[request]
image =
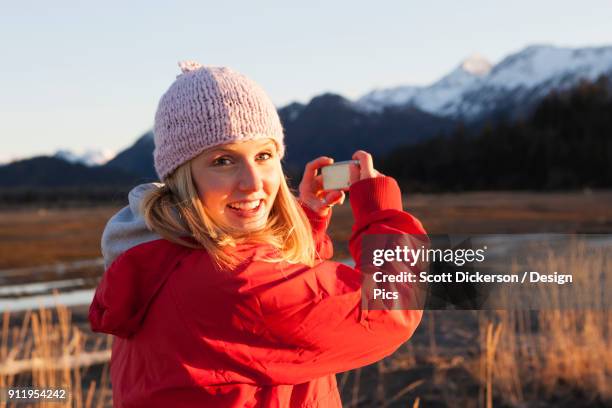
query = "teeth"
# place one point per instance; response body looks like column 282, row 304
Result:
column 248, row 205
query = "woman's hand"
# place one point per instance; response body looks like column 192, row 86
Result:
column 311, row 188
column 365, row 170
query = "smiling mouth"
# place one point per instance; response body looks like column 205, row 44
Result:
column 246, row 208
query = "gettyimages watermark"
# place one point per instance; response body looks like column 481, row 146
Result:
column 487, row 272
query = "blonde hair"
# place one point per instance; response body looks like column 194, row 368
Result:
column 176, row 213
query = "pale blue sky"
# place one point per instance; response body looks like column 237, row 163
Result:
column 89, row 75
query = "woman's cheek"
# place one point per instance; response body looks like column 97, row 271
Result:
column 274, row 173
column 214, row 191
column 220, row 183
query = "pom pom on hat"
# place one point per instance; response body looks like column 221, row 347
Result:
column 188, row 66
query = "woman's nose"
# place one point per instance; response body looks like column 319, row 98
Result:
column 250, row 178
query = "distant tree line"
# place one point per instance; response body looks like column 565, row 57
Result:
column 566, row 143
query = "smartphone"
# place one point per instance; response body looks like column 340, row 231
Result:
column 337, row 176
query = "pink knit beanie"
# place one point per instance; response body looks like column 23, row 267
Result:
column 208, row 106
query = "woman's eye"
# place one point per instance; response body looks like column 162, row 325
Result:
column 265, row 156
column 222, row 161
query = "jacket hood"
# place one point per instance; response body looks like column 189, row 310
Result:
column 127, row 228
column 137, row 264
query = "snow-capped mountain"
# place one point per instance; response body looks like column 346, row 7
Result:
column 468, row 74
column 88, row 157
column 378, row 99
column 434, row 97
column 476, row 88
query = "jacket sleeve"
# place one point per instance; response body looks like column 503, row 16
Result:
column 323, row 329
column 319, row 224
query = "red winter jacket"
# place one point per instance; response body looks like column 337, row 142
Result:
column 264, row 335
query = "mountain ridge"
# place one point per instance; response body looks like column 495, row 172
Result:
column 522, row 77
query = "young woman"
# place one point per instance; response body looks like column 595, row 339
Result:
column 218, row 284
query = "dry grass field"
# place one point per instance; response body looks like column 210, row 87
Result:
column 455, row 359
column 42, row 236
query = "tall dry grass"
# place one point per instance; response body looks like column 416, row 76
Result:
column 46, row 350
column 563, row 351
